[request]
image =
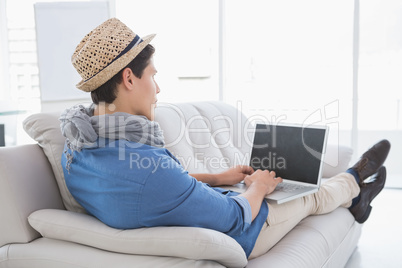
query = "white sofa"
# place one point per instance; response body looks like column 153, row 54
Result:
column 42, row 225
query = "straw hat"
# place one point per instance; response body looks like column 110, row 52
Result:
column 105, row 51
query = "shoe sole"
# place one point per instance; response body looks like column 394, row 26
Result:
column 365, row 216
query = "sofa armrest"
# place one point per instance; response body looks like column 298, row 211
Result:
column 27, row 184
column 185, row 242
column 337, row 159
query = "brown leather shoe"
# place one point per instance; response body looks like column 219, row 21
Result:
column 369, row 190
column 372, row 160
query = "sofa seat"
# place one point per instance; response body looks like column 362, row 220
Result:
column 317, row 241
column 55, row 253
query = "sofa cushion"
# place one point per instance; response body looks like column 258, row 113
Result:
column 44, row 128
column 185, row 242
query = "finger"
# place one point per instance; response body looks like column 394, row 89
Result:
column 278, row 179
column 247, row 180
column 247, row 169
column 251, row 170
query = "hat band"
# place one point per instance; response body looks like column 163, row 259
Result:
column 137, row 40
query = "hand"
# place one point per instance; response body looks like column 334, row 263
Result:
column 266, row 179
column 259, row 184
column 234, row 175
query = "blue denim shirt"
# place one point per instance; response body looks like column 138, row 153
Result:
column 130, row 185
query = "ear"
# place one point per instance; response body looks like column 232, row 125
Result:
column 128, row 78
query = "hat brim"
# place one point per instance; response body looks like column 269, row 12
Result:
column 115, row 67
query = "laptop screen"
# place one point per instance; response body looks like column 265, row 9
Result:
column 293, row 152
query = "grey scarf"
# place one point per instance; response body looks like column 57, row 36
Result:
column 82, row 128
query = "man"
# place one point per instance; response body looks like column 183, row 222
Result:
column 117, row 67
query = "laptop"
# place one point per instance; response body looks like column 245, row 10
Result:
column 295, row 153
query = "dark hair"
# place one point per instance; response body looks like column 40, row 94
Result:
column 107, row 92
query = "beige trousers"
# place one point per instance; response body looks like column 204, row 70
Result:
column 336, row 192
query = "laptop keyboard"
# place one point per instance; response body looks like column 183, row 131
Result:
column 288, row 187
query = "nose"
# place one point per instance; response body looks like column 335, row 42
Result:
column 158, row 90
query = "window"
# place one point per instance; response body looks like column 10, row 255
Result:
column 379, row 80
column 279, row 61
column 291, row 61
column 21, row 71
column 380, row 65
column 186, row 44
column 19, row 62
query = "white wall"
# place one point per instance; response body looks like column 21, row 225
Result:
column 4, row 84
column 59, row 106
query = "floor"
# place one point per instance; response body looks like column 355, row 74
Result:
column 381, row 242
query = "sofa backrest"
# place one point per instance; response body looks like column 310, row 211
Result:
column 27, row 184
column 204, row 136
